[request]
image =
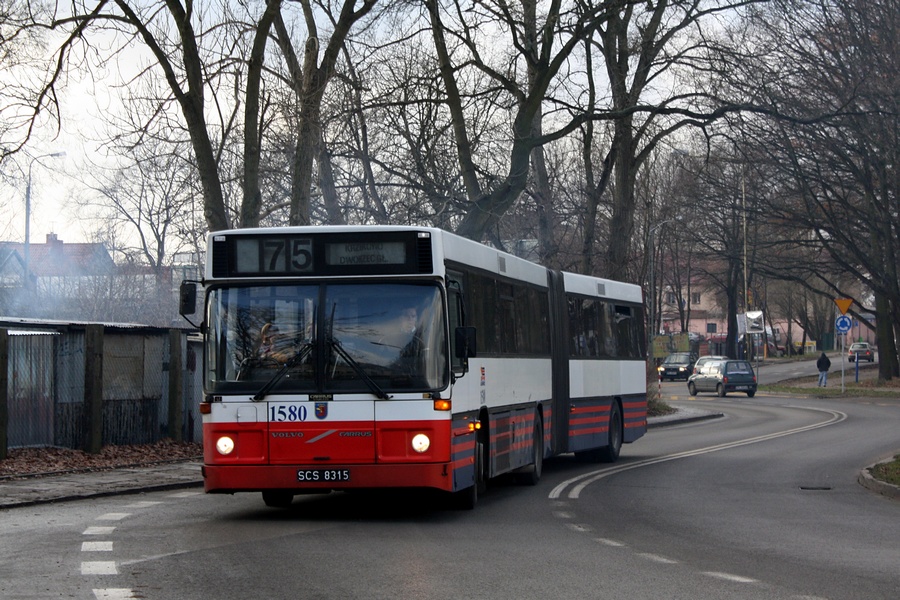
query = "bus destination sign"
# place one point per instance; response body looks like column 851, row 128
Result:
column 305, row 255
column 345, row 254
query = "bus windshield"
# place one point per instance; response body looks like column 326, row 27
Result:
column 326, row 338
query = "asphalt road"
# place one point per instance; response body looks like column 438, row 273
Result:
column 762, row 503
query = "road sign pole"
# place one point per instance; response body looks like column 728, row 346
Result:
column 842, row 325
column 843, row 354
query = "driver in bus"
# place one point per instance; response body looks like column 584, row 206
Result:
column 272, row 345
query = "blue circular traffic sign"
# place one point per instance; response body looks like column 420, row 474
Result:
column 842, row 324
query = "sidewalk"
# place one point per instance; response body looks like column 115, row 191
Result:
column 77, row 486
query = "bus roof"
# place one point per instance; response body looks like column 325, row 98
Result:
column 596, row 286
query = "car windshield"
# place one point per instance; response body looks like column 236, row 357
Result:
column 369, row 338
column 739, row 368
column 678, row 359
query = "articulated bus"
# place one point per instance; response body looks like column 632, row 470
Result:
column 342, row 357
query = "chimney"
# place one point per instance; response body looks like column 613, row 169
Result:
column 52, row 239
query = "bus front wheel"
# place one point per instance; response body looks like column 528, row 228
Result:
column 277, row 498
column 467, row 498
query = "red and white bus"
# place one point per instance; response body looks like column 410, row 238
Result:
column 342, row 357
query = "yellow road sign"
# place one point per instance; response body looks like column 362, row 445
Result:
column 843, row 304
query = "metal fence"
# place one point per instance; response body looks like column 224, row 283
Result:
column 46, row 372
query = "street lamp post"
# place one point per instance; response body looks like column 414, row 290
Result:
column 27, row 252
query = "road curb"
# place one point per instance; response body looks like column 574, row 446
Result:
column 866, row 480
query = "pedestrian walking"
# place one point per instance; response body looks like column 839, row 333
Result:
column 823, row 364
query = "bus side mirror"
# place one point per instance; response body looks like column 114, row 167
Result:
column 187, row 298
column 465, row 343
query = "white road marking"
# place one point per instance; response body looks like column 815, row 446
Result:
column 609, row 542
column 99, row 567
column 657, row 558
column 142, row 504
column 578, row 528
column 582, row 481
column 113, row 516
column 728, row 577
column 96, row 546
column 186, row 494
column 98, row 530
column 114, row 594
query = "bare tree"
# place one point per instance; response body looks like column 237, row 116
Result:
column 309, row 79
column 837, row 174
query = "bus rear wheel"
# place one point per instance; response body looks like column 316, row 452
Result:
column 532, row 474
column 610, row 452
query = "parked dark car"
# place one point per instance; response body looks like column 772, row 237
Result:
column 861, row 349
column 678, row 365
column 722, row 377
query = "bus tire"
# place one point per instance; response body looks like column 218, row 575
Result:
column 467, row 498
column 532, row 474
column 610, row 452
column 277, row 498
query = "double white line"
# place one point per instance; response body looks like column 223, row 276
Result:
column 582, row 481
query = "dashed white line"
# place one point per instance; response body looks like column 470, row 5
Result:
column 114, row 594
column 96, row 546
column 728, row 577
column 577, row 527
column 142, row 504
column 609, row 542
column 658, row 558
column 186, row 494
column 113, row 516
column 99, row 567
column 98, row 530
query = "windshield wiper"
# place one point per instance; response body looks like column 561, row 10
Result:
column 354, row 364
column 304, row 351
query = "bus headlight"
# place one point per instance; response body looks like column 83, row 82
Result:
column 420, row 443
column 225, row 445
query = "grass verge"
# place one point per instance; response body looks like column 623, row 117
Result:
column 888, row 472
column 867, row 388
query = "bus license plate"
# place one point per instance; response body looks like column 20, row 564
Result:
column 323, row 475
